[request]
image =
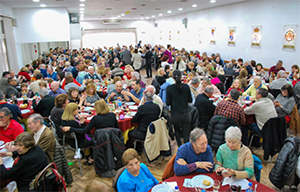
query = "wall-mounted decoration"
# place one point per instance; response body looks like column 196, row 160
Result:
column 199, row 35
column 232, row 35
column 289, row 38
column 256, row 35
column 178, row 35
column 188, row 35
column 160, row 35
column 170, row 35
column 212, row 35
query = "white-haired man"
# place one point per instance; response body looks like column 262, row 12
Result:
column 156, row 98
column 91, row 74
column 45, row 105
column 280, row 81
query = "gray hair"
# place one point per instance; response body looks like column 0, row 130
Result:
column 249, row 62
column 257, row 77
column 90, row 67
column 281, row 73
column 234, row 94
column 206, row 79
column 43, row 92
column 68, row 74
column 37, row 117
column 1, row 95
column 67, row 63
column 42, row 65
column 229, row 65
column 6, row 111
column 195, row 80
column 209, row 89
column 233, row 133
column 117, row 59
column 151, row 86
column 195, row 134
column 50, row 67
column 148, row 96
column 135, row 74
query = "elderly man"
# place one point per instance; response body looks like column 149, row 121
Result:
column 263, row 110
column 230, row 108
column 42, row 68
column 55, row 90
column 117, row 93
column 205, row 107
column 43, row 136
column 156, row 98
column 51, row 74
column 34, row 86
column 3, row 81
column 195, row 82
column 229, row 69
column 46, row 103
column 117, row 71
column 116, row 62
column 68, row 67
column 134, row 75
column 91, row 74
column 9, row 128
column 126, row 55
column 145, row 115
column 280, row 81
column 276, row 68
column 195, row 156
column 256, row 85
column 11, row 89
column 136, row 92
column 15, row 110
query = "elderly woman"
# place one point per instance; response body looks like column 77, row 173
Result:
column 32, row 160
column 24, row 72
column 285, row 102
column 205, row 82
column 92, row 95
column 257, row 83
column 190, row 67
column 24, row 91
column 35, row 72
column 136, row 177
column 233, row 158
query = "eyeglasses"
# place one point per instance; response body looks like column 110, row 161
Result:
column 1, row 117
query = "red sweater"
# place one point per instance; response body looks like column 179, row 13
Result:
column 25, row 74
column 11, row 132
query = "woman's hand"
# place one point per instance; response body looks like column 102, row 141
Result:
column 229, row 173
column 66, row 129
column 10, row 146
column 219, row 170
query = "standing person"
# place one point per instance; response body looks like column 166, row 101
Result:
column 137, row 60
column 168, row 52
column 178, row 97
column 148, row 57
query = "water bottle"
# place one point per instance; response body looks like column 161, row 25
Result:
column 250, row 188
column 176, row 189
column 203, row 190
column 119, row 104
column 247, row 97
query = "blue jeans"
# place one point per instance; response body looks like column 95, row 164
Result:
column 252, row 127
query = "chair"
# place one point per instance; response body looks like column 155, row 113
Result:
column 169, row 170
column 228, row 81
column 54, row 129
column 221, row 87
column 275, row 92
column 118, row 174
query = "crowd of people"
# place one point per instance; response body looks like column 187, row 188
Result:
column 63, row 82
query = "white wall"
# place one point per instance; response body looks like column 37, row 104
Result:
column 42, row 25
column 144, row 28
column 271, row 15
column 6, row 11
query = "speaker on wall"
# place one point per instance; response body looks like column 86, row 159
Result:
column 185, row 22
column 74, row 18
column 155, row 24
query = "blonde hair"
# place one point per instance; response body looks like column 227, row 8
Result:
column 24, row 69
column 101, row 69
column 91, row 86
column 239, row 83
column 129, row 66
column 159, row 71
column 68, row 112
column 130, row 154
column 101, row 107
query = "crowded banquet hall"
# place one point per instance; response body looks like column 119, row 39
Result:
column 149, row 95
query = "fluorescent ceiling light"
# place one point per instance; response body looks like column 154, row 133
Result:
column 160, row 14
column 212, row 1
column 36, row 0
column 119, row 16
column 82, row 0
column 147, row 17
column 169, row 11
column 179, row 9
column 81, row 5
column 142, row 18
column 153, row 15
column 81, row 9
column 43, row 5
column 122, row 14
column 194, row 5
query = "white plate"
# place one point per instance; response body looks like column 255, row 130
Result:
column 247, row 102
column 162, row 188
column 198, row 181
column 132, row 114
column 25, row 111
column 87, row 108
column 1, row 143
column 133, row 107
column 20, row 99
column 130, row 103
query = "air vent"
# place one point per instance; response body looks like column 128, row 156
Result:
column 108, row 8
column 134, row 9
column 143, row 5
column 157, row 8
column 183, row 1
column 112, row 22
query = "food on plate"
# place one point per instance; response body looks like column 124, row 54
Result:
column 206, row 182
column 23, row 105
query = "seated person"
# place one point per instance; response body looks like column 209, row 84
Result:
column 294, row 75
column 73, row 96
column 167, row 71
column 195, row 156
column 92, row 95
column 156, row 99
column 118, row 93
column 214, row 79
column 234, row 157
column 117, row 71
column 280, row 81
column 92, row 75
column 113, row 83
column 160, row 76
column 190, row 67
column 24, row 91
column 136, row 92
column 69, row 83
column 205, row 82
column 9, row 128
column 285, row 102
column 252, row 89
column 32, row 160
column 235, row 85
column 130, row 179
column 243, row 78
column 14, row 109
column 55, row 90
column 127, row 72
column 46, row 103
column 276, row 68
column 145, row 115
column 229, row 69
column 60, row 103
column 11, row 89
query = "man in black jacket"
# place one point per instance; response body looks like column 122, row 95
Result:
column 146, row 114
column 45, row 105
column 148, row 57
column 205, row 106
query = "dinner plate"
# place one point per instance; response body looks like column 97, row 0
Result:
column 1, row 143
column 25, row 111
column 130, row 103
column 133, row 107
column 197, row 181
column 132, row 113
column 20, row 99
column 162, row 188
column 87, row 108
column 247, row 102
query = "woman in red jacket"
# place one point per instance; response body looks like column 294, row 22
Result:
column 24, row 72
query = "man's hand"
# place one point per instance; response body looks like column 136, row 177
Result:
column 230, row 172
column 66, row 129
column 35, row 97
column 123, row 92
column 181, row 162
column 119, row 98
column 10, row 147
column 204, row 165
column 220, row 169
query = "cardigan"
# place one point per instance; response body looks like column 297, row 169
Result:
column 252, row 90
column 287, row 105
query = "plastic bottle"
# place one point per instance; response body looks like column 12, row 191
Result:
column 25, row 98
column 176, row 189
column 247, row 97
column 203, row 190
column 119, row 104
column 250, row 188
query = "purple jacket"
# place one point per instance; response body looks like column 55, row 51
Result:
column 169, row 54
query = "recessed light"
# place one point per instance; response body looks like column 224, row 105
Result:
column 119, row 16
column 82, row 0
column 153, row 15
column 43, row 5
column 179, row 9
column 36, row 1
column 147, row 17
column 169, row 11
column 194, row 5
column 81, row 9
column 81, row 5
column 142, row 18
column 122, row 14
column 212, row 1
column 160, row 14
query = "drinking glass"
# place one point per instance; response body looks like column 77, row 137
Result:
column 216, row 185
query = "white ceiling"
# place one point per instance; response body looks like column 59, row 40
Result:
column 97, row 9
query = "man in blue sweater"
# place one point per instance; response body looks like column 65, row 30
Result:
column 194, row 156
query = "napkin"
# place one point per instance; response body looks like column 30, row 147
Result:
column 187, row 183
column 133, row 107
column 89, row 118
column 230, row 181
column 172, row 184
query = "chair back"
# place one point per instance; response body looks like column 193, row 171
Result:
column 275, row 92
column 169, row 170
column 221, row 87
column 228, row 81
column 115, row 180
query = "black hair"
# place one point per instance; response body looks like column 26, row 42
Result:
column 177, row 77
column 39, row 76
column 167, row 67
column 288, row 88
column 263, row 92
column 138, row 82
column 5, row 73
